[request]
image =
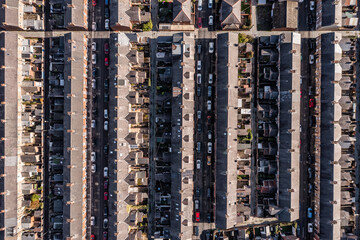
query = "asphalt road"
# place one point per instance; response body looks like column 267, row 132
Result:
column 304, row 22
column 204, row 177
column 99, row 135
column 307, row 71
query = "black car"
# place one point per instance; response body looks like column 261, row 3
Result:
column 94, row 72
column 197, row 192
column 199, row 127
column 209, row 217
column 107, row 13
column 198, row 91
column 105, row 211
column 106, row 149
column 106, row 97
column 106, row 84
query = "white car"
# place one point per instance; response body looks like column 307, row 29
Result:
column 93, row 27
column 198, row 164
column 93, row 46
column 209, row 147
column 199, row 65
column 106, row 125
column 107, row 24
column 210, row 78
column 211, row 47
column 93, row 168
column 209, row 105
column 310, row 228
column 211, row 20
column 92, row 220
column 198, row 77
column 93, row 123
column 209, row 135
column 196, row 203
column 311, row 59
column 93, row 156
column 106, row 115
column 312, row 5
column 199, row 114
column 106, row 172
column 93, row 84
column 210, row 4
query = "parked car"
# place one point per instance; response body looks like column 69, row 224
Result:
column 208, row 160
column 310, row 228
column 106, row 195
column 209, row 147
column 209, row 217
column 198, row 78
column 211, row 47
column 93, row 168
column 197, row 216
column 197, row 205
column 92, row 220
column 106, row 125
column 199, row 48
column 106, row 184
column 198, row 164
column 94, row 3
column 199, row 127
column 106, row 211
column 93, row 156
column 310, row 188
column 107, row 24
column 198, row 147
column 94, row 72
column 106, row 48
column 311, row 103
column 209, row 91
column 209, row 105
column 93, row 26
column 312, row 5
column 93, row 83
column 309, row 19
column 209, row 134
column 199, row 5
column 107, row 12
column 106, row 172
column 105, row 223
column 93, row 46
column 211, row 20
column 199, row 114
column 309, row 171
column 199, row 65
column 199, row 22
column 197, row 192
column 198, row 91
column 210, row 78
column 106, row 61
column 105, row 235
column 311, row 59
column 93, row 58
column 106, row 115
column 210, row 4
column 309, row 212
column 92, row 237
column 93, row 123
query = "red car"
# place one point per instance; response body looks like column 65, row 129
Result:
column 105, row 235
column 94, row 3
column 106, row 184
column 311, row 103
column 92, row 237
column 106, row 61
column 199, row 22
column 197, row 216
column 106, row 194
column 106, row 48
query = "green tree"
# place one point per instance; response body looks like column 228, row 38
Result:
column 147, row 26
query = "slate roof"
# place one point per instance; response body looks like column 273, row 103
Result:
column 230, row 14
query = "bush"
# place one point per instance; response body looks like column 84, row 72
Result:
column 147, row 26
